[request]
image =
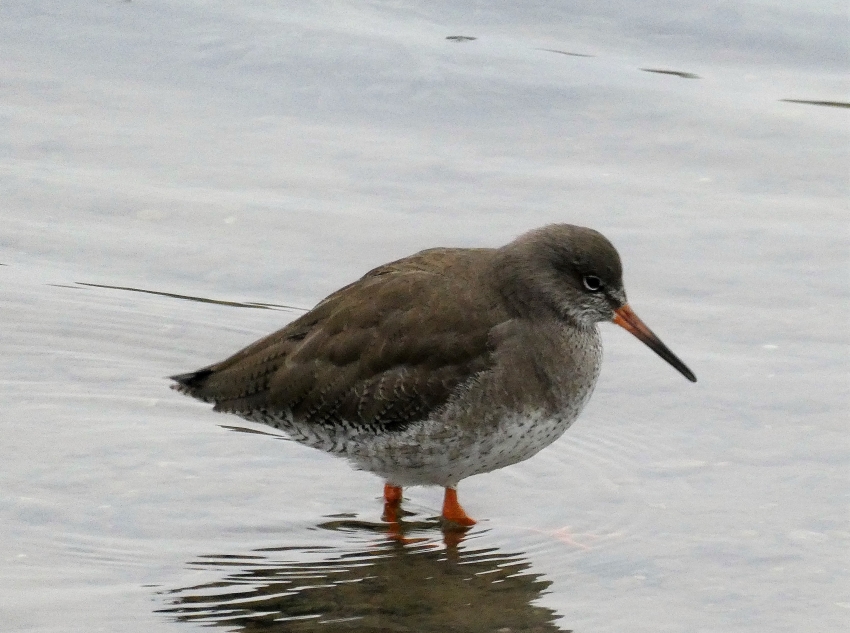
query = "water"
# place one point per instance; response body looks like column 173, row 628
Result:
column 260, row 156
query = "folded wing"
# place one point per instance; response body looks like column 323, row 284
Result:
column 382, row 352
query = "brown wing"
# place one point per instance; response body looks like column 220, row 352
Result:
column 383, row 351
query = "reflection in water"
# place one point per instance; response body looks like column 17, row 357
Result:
column 552, row 50
column 677, row 73
column 234, row 304
column 831, row 104
column 384, row 584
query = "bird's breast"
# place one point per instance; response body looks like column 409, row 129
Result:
column 541, row 371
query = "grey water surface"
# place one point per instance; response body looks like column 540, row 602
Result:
column 181, row 178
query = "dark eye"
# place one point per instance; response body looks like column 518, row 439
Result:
column 592, row 282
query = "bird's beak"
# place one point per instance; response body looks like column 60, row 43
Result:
column 628, row 320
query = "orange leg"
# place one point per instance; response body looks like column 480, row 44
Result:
column 452, row 510
column 392, row 494
column 392, row 503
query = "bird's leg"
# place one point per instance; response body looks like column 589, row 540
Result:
column 452, row 510
column 392, row 503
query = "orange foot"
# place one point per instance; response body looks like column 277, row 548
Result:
column 453, row 512
column 392, row 503
column 392, row 511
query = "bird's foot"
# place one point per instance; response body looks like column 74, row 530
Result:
column 392, row 515
column 392, row 503
column 453, row 512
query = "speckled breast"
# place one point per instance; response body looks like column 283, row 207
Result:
column 500, row 417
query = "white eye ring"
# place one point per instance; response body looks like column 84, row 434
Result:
column 592, row 283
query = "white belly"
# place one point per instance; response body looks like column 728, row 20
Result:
column 491, row 422
column 426, row 454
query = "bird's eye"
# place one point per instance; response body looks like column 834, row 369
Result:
column 592, row 282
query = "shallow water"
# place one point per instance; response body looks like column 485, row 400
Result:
column 237, row 164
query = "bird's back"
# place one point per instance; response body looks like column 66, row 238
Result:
column 380, row 353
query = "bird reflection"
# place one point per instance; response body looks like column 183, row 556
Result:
column 374, row 582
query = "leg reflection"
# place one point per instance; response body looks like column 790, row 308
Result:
column 363, row 584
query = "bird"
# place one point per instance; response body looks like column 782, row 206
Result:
column 448, row 363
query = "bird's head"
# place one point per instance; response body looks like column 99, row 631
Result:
column 575, row 274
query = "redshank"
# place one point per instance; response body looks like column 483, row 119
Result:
column 449, row 363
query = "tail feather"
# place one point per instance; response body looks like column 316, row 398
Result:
column 192, row 384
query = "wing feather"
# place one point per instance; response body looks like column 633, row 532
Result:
column 384, row 351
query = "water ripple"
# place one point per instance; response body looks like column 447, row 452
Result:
column 371, row 584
